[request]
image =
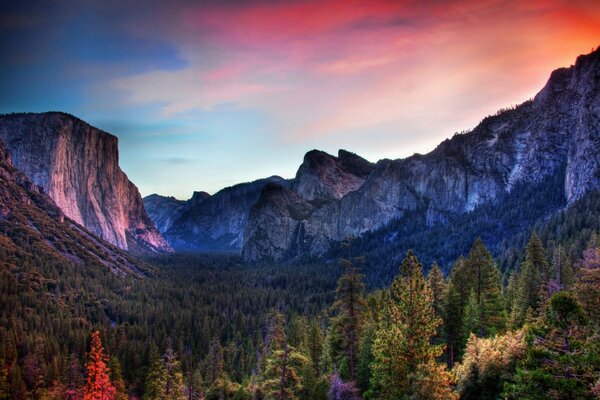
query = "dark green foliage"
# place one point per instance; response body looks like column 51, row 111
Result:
column 533, row 282
column 563, row 359
column 504, row 225
column 349, row 311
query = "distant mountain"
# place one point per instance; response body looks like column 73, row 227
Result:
column 558, row 132
column 547, row 148
column 207, row 223
column 77, row 165
column 34, row 230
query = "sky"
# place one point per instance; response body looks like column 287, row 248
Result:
column 206, row 94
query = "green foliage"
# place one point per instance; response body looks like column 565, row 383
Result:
column 403, row 336
column 562, row 359
column 533, row 281
column 349, row 311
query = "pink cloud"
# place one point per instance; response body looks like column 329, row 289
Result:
column 322, row 68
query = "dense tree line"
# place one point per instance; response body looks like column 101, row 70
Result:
column 209, row 327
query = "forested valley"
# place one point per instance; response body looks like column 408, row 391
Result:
column 212, row 327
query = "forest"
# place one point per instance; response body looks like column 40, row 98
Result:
column 212, row 327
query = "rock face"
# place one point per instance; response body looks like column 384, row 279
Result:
column 31, row 225
column 77, row 166
column 557, row 132
column 208, row 223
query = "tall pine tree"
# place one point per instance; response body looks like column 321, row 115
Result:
column 402, row 348
column 349, row 313
column 533, row 281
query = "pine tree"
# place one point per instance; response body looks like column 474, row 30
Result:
column 215, row 362
column 281, row 378
column 458, row 290
column 487, row 289
column 156, row 378
column 349, row 309
column 97, row 384
column 174, row 388
column 116, row 377
column 533, row 280
column 72, row 378
column 587, row 286
column 472, row 317
column 315, row 347
column 562, row 358
column 403, row 338
column 435, row 281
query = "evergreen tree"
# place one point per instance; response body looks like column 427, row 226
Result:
column 315, row 347
column 156, row 377
column 403, row 338
column 487, row 289
column 563, row 355
column 472, row 317
column 215, row 362
column 97, row 384
column 174, row 387
column 116, row 377
column 283, row 364
column 564, row 274
column 346, row 326
column 587, row 286
column 533, row 280
column 435, row 281
column 458, row 290
column 73, row 379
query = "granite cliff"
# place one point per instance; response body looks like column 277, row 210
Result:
column 33, row 227
column 77, row 166
column 207, row 223
column 558, row 132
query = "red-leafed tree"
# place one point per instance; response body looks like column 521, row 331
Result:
column 97, row 384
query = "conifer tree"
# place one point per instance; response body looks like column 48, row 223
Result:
column 532, row 281
column 349, row 309
column 315, row 347
column 174, row 388
column 156, row 378
column 563, row 355
column 116, row 377
column 472, row 317
column 587, row 286
column 487, row 289
column 435, row 281
column 281, row 378
column 72, row 378
column 97, row 384
column 458, row 290
column 215, row 367
column 403, row 338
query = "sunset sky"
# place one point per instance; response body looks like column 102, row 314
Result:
column 203, row 95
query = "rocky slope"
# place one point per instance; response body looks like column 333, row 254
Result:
column 208, row 223
column 77, row 166
column 33, row 227
column 558, row 132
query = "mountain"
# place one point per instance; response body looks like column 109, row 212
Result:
column 207, row 223
column 165, row 210
column 556, row 133
column 34, row 230
column 77, row 166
